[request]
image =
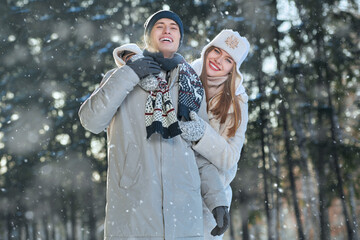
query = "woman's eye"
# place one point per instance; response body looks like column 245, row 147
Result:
column 229, row 60
column 217, row 50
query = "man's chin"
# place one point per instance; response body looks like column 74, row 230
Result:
column 167, row 51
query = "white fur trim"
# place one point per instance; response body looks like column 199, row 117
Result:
column 126, row 47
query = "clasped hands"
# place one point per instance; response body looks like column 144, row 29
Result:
column 145, row 68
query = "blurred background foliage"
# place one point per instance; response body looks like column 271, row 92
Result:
column 299, row 172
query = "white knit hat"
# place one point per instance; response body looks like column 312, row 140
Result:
column 235, row 45
column 126, row 47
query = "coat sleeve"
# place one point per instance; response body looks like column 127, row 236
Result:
column 98, row 110
column 224, row 154
column 212, row 189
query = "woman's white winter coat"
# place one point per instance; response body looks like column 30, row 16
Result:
column 221, row 151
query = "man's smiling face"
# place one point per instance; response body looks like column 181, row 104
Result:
column 165, row 37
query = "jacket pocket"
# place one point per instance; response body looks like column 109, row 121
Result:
column 132, row 167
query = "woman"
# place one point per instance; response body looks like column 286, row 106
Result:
column 218, row 68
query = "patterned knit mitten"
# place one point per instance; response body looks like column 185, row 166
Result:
column 148, row 83
column 193, row 130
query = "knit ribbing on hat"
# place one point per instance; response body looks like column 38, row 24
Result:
column 150, row 22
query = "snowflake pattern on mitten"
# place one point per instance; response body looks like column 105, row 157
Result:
column 149, row 83
column 193, row 130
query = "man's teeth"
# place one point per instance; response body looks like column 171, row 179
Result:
column 165, row 39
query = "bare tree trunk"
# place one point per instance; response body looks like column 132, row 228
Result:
column 353, row 203
column 265, row 175
column 283, row 116
column 73, row 216
column 9, row 225
column 2, row 227
column 27, row 230
column 53, row 234
column 278, row 199
column 303, row 158
column 291, row 175
column 319, row 37
column 266, row 191
column 46, row 227
column 309, row 194
column 92, row 217
column 65, row 219
column 231, row 228
column 349, row 227
column 334, row 142
column 244, row 226
column 272, row 209
column 34, row 229
column 262, row 124
column 20, row 231
column 324, row 217
column 244, row 214
column 320, row 167
column 263, row 155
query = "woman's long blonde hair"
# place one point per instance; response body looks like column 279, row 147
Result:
column 226, row 99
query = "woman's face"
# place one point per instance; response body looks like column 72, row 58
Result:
column 218, row 63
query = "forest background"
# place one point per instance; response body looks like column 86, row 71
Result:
column 298, row 176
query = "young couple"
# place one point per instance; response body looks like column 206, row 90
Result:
column 174, row 139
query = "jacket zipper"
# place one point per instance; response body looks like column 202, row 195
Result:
column 167, row 76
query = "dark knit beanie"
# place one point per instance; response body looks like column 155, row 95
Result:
column 149, row 24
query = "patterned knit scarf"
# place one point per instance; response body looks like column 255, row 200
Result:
column 160, row 114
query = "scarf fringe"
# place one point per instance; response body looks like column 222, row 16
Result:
column 157, row 127
column 160, row 116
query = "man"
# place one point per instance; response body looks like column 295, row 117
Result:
column 153, row 181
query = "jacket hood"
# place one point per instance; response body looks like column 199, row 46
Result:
column 126, row 47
